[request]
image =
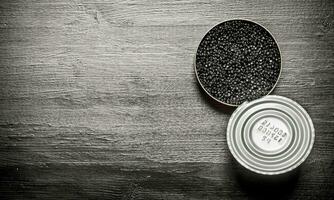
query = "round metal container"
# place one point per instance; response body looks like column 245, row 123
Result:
column 271, row 135
column 195, row 61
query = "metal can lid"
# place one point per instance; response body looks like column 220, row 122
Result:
column 271, row 135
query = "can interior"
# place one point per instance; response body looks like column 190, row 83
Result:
column 237, row 61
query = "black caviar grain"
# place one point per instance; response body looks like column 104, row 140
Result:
column 238, row 61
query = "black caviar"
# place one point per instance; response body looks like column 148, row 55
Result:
column 238, row 61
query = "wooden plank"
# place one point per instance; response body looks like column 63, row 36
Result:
column 98, row 99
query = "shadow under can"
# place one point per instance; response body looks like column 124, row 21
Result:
column 258, row 186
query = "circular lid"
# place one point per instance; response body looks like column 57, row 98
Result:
column 271, row 135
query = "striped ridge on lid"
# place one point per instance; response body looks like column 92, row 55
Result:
column 271, row 135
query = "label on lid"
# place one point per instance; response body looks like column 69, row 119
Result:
column 270, row 133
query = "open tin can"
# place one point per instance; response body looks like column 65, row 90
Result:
column 237, row 60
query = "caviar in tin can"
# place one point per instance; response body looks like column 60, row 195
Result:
column 237, row 61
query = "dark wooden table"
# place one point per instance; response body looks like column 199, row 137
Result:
column 98, row 99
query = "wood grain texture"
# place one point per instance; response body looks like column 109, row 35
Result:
column 98, row 99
